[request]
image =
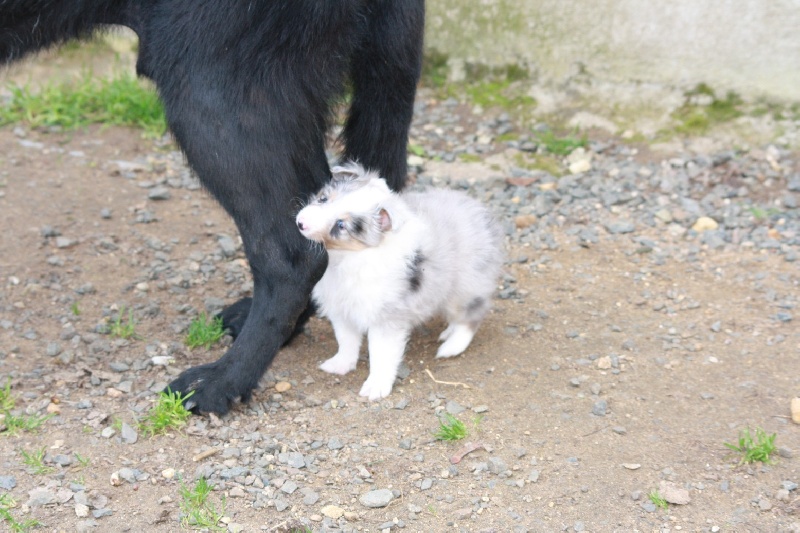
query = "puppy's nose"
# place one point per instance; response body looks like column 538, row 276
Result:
column 300, row 225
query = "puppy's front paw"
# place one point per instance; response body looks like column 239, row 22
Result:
column 339, row 364
column 375, row 389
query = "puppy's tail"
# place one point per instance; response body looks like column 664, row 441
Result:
column 30, row 25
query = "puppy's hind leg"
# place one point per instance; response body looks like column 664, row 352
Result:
column 349, row 338
column 463, row 323
column 458, row 340
column 386, row 346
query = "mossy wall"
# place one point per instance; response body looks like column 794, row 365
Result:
column 748, row 46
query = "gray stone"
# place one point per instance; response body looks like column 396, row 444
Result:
column 376, row 498
column 227, row 245
column 600, row 408
column 230, row 473
column 40, row 496
column 335, row 444
column 293, row 459
column 401, row 404
column 497, row 465
column 289, row 486
column 281, row 504
column 64, row 242
column 159, row 193
column 7, row 482
column 53, row 349
column 128, row 434
column 310, row 497
column 620, row 227
column 129, row 474
column 118, row 366
column 63, row 460
column 454, row 408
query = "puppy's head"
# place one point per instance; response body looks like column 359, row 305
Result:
column 350, row 213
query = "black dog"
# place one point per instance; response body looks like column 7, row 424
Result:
column 247, row 86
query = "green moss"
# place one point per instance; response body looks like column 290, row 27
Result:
column 693, row 119
column 545, row 163
column 469, row 158
column 434, row 69
column 498, row 94
column 561, row 145
column 506, row 137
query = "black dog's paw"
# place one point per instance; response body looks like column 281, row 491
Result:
column 234, row 316
column 209, row 390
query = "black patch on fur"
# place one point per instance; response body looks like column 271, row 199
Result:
column 475, row 305
column 415, row 271
column 358, row 225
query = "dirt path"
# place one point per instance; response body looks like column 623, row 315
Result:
column 605, row 374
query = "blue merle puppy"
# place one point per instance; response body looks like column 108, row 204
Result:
column 396, row 261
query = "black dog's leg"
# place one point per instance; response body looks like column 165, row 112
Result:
column 285, row 268
column 385, row 70
column 235, row 315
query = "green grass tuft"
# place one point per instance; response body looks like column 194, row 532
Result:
column 35, row 461
column 16, row 423
column 204, row 332
column 167, row 413
column 123, row 328
column 121, row 101
column 196, row 510
column 450, row 428
column 83, row 461
column 6, row 504
column 657, row 499
column 7, row 401
column 754, row 448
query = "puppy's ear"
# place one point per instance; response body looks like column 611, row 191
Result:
column 347, row 172
column 384, row 220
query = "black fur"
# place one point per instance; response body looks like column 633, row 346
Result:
column 247, row 87
column 415, row 271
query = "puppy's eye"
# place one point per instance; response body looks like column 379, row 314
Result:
column 322, row 199
column 340, row 224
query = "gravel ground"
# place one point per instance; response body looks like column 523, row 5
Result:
column 646, row 316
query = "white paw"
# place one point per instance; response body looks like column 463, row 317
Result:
column 375, row 389
column 456, row 343
column 339, row 365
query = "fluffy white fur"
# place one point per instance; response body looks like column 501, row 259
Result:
column 395, row 261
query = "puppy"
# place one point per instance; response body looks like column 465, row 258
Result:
column 394, row 262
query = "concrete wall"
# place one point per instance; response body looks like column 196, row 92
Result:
column 749, row 46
